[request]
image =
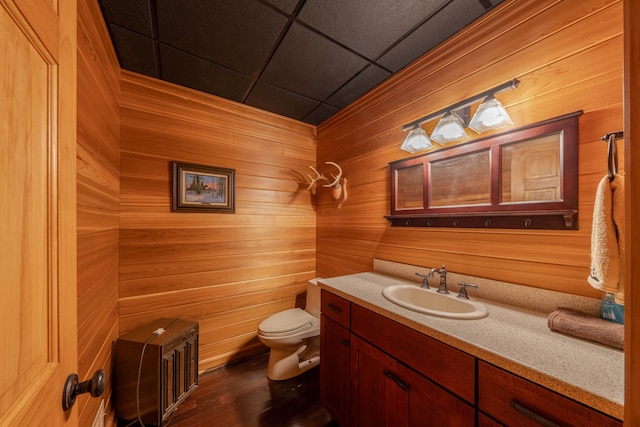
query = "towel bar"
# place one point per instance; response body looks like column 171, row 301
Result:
column 612, row 152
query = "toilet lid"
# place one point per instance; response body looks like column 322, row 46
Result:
column 293, row 319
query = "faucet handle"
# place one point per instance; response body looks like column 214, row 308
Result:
column 462, row 294
column 425, row 284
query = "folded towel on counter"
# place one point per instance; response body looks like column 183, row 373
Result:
column 607, row 238
column 578, row 324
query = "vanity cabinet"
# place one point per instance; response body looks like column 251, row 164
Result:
column 388, row 393
column 449, row 367
column 375, row 372
column 335, row 357
column 514, row 401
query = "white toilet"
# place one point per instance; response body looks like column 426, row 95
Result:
column 293, row 336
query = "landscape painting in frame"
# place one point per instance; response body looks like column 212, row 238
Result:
column 200, row 188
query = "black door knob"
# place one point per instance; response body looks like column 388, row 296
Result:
column 72, row 388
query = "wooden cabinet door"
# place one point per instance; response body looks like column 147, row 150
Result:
column 485, row 421
column 381, row 393
column 515, row 401
column 431, row 405
column 37, row 210
column 335, row 373
column 387, row 393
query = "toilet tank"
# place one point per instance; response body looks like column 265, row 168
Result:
column 313, row 298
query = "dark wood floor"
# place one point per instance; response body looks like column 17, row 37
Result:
column 241, row 395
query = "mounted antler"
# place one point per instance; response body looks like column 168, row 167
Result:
column 336, row 179
column 338, row 186
column 318, row 177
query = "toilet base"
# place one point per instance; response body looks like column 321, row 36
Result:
column 288, row 363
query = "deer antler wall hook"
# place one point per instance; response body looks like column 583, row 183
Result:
column 338, row 186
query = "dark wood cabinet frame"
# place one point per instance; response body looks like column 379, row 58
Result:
column 557, row 214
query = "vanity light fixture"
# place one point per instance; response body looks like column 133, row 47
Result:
column 416, row 140
column 491, row 116
column 450, row 128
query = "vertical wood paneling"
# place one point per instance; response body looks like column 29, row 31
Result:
column 632, row 207
column 226, row 271
column 98, row 161
column 568, row 56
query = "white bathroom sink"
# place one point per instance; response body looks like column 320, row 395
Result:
column 433, row 303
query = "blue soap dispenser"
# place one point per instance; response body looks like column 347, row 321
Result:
column 610, row 310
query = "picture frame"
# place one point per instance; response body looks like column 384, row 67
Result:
column 201, row 188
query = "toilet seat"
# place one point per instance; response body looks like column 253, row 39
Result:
column 288, row 322
column 293, row 337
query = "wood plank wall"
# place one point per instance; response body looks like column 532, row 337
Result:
column 632, row 207
column 98, row 185
column 568, row 56
column 226, row 271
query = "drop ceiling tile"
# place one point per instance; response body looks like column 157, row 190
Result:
column 311, row 65
column 319, row 66
column 358, row 86
column 135, row 51
column 280, row 101
column 134, row 15
column 286, row 6
column 441, row 26
column 367, row 26
column 237, row 34
column 320, row 114
column 197, row 73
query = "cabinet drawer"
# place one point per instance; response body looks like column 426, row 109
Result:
column 336, row 308
column 515, row 401
column 443, row 364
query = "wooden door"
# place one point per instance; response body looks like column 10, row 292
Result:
column 38, row 206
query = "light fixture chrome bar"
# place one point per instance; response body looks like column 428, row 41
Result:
column 464, row 103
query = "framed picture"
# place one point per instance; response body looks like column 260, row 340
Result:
column 200, row 188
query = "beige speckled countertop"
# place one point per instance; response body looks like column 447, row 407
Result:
column 513, row 338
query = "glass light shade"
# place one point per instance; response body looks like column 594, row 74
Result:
column 417, row 140
column 450, row 128
column 489, row 115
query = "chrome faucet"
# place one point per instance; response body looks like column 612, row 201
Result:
column 442, row 289
column 462, row 294
column 424, row 284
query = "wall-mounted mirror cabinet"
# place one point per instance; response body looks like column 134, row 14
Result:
column 524, row 178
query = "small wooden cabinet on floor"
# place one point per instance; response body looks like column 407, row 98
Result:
column 377, row 372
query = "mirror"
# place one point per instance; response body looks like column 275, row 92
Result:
column 524, row 178
column 462, row 180
column 531, row 170
column 410, row 187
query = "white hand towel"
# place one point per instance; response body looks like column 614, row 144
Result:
column 617, row 186
column 607, row 238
